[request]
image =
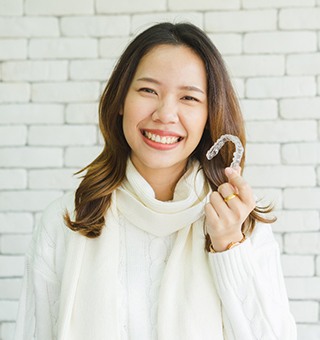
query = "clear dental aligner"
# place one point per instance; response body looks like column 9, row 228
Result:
column 237, row 155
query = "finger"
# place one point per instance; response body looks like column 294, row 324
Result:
column 244, row 190
column 227, row 189
column 219, row 204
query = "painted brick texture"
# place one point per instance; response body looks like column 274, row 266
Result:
column 55, row 58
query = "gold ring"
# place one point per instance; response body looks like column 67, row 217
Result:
column 230, row 197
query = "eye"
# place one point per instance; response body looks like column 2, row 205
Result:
column 190, row 98
column 147, row 90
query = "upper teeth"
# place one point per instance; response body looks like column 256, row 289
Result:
column 159, row 139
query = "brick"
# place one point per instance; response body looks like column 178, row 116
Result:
column 277, row 3
column 262, row 154
column 293, row 221
column 281, row 131
column 12, row 7
column 240, row 21
column 239, row 87
column 264, row 109
column 303, row 64
column 21, row 201
column 112, row 47
column 204, row 5
column 80, row 157
column 300, row 18
column 31, row 114
column 308, row 331
column 100, row 138
column 140, row 22
column 248, row 66
column 302, row 243
column 13, row 135
column 301, row 153
column 305, row 311
column 280, row 42
column 7, row 330
column 96, row 26
column 281, row 176
column 8, row 310
column 82, row 113
column 304, row 198
column 31, row 157
column 53, row 179
column 11, row 266
column 63, row 92
column 280, row 87
column 228, row 43
column 59, row 7
column 297, row 265
column 303, row 108
column 129, row 6
column 318, row 265
column 11, row 49
column 14, row 92
column 13, row 178
column 10, row 289
column 29, row 27
column 35, row 70
column 62, row 135
column 14, row 223
column 91, row 69
column 14, row 244
column 303, row 288
column 63, row 48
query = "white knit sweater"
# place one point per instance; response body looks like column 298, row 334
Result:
column 248, row 281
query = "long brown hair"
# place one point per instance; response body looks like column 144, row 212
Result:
column 107, row 171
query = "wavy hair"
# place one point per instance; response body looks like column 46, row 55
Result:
column 106, row 173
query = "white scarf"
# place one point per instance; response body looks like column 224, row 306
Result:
column 189, row 307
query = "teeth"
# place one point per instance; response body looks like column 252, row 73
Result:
column 161, row 140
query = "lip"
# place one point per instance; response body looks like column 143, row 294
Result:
column 161, row 133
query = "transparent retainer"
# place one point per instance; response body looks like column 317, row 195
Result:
column 237, row 155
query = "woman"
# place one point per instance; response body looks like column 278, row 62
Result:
column 158, row 242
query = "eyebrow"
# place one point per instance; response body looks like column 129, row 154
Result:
column 186, row 87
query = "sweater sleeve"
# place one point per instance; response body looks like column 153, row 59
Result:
column 38, row 306
column 251, row 287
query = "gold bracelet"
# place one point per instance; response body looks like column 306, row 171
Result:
column 230, row 245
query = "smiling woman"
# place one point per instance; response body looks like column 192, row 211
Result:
column 158, row 242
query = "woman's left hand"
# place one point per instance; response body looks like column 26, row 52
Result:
column 228, row 209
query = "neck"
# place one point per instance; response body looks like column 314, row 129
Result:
column 162, row 181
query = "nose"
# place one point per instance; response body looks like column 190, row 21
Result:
column 166, row 113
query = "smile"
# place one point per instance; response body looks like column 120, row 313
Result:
column 161, row 139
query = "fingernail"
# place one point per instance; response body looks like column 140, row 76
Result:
column 229, row 171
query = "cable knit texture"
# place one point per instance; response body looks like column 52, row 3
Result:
column 148, row 276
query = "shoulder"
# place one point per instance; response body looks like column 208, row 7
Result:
column 56, row 209
column 51, row 226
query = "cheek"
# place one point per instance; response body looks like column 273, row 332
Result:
column 197, row 124
column 137, row 110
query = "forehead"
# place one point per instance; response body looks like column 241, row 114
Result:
column 178, row 62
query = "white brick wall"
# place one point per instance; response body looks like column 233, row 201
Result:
column 55, row 57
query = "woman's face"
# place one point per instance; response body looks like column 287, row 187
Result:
column 165, row 110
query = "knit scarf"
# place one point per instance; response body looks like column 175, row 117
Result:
column 189, row 307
